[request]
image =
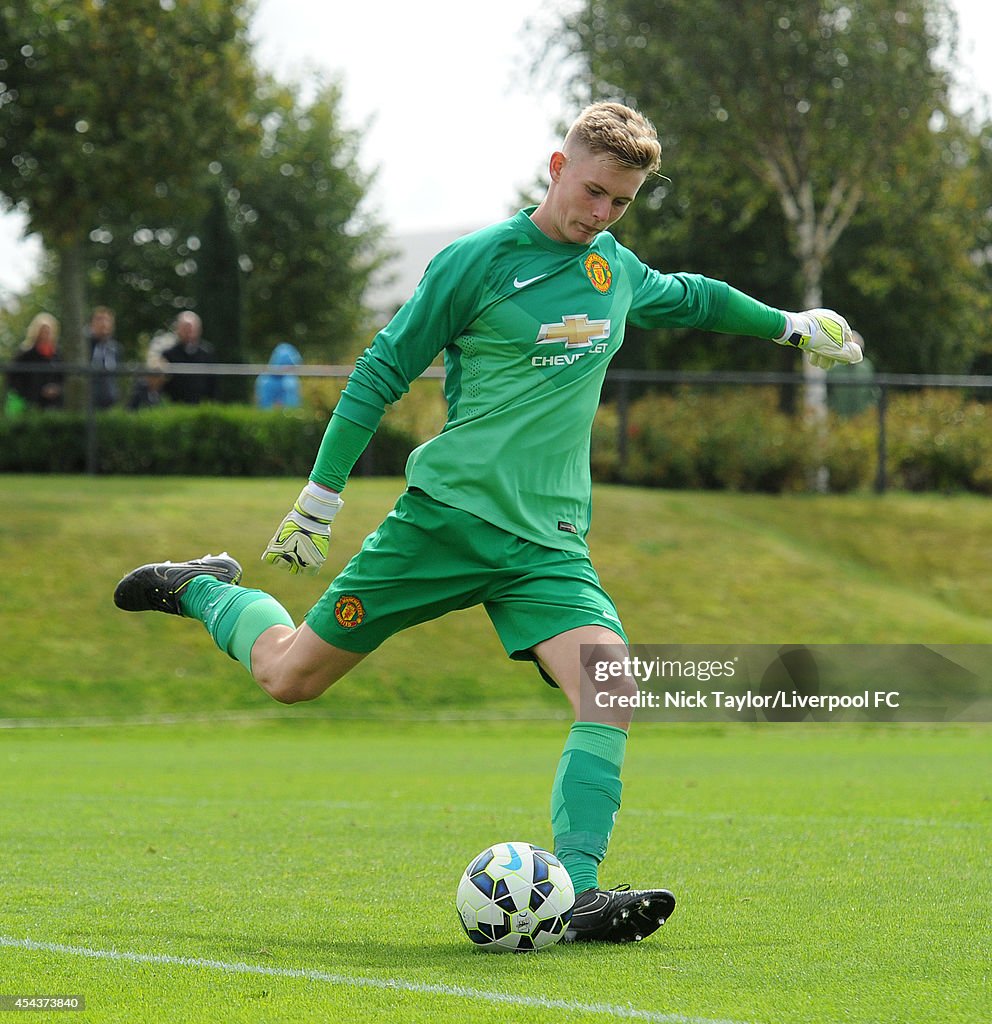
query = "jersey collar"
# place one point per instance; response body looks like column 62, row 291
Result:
column 538, row 237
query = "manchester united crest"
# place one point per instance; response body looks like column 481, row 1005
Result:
column 599, row 273
column 349, row 611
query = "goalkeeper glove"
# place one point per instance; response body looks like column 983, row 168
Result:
column 300, row 543
column 825, row 336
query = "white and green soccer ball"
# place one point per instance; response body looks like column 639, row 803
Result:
column 515, row 896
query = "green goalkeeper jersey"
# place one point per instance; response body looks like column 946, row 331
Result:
column 528, row 327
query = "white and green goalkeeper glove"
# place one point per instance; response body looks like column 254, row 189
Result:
column 825, row 336
column 300, row 544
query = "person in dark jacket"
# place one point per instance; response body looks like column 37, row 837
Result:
column 190, row 348
column 105, row 354
column 43, row 390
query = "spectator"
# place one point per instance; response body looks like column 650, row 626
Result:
column 148, row 389
column 190, row 348
column 104, row 357
column 44, row 390
column 280, row 390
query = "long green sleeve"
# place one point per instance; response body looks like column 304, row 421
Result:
column 339, row 450
column 743, row 315
column 443, row 304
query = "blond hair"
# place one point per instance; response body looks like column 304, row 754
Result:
column 34, row 329
column 621, row 132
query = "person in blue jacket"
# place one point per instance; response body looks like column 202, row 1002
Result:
column 280, row 390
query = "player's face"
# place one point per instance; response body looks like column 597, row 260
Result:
column 588, row 193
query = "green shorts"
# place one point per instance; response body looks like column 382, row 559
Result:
column 427, row 559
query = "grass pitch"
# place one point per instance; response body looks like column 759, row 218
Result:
column 305, row 871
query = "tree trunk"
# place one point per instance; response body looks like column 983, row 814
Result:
column 219, row 298
column 72, row 296
column 815, row 378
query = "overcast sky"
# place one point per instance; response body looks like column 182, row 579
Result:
column 443, row 92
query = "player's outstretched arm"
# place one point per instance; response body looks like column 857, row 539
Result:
column 300, row 544
column 825, row 336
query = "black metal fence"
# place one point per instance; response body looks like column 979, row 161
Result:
column 622, row 387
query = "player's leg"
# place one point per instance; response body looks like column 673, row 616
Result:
column 587, row 787
column 552, row 610
column 555, row 611
column 586, row 793
column 420, row 563
column 290, row 663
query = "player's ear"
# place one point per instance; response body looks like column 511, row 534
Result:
column 557, row 163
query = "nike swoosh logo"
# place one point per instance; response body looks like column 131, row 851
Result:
column 594, row 906
column 514, row 862
column 517, row 283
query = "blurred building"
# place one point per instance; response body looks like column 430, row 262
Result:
column 395, row 283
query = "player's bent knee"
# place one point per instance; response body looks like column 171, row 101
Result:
column 299, row 666
column 620, row 690
column 291, row 695
column 611, row 703
column 289, row 684
column 605, row 697
column 294, row 690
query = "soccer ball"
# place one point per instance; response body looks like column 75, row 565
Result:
column 515, row 896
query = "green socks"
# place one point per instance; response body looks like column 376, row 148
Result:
column 235, row 617
column 585, row 799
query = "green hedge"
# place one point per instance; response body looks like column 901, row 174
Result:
column 700, row 440
column 938, row 441
column 207, row 440
column 740, row 440
column 734, row 439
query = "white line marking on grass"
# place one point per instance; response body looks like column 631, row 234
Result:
column 757, row 820
column 391, row 984
column 165, row 718
column 265, row 714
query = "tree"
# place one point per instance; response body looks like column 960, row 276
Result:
column 110, row 107
column 219, row 293
column 299, row 244
column 311, row 245
column 981, row 251
column 822, row 109
column 912, row 269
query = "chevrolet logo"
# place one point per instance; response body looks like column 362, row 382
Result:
column 575, row 331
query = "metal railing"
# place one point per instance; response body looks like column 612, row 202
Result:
column 882, row 384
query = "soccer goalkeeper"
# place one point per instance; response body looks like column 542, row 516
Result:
column 528, row 314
